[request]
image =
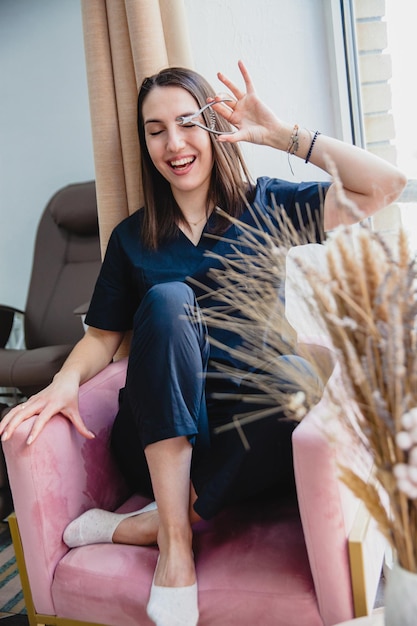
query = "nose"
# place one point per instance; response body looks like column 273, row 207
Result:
column 175, row 138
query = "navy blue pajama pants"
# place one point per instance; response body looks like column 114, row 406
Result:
column 165, row 397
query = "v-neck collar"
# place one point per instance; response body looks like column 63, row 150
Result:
column 202, row 236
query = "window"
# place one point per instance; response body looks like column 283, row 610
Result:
column 402, row 46
column 380, row 48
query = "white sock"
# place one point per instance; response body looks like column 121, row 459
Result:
column 173, row 606
column 97, row 526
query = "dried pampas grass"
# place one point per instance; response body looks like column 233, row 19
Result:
column 364, row 302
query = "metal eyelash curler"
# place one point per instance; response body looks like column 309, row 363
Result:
column 190, row 120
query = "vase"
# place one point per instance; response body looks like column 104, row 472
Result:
column 400, row 597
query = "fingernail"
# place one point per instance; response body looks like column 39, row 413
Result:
column 5, row 436
column 29, row 440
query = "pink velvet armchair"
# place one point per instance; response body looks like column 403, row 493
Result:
column 281, row 564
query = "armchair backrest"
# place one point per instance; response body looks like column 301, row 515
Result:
column 66, row 262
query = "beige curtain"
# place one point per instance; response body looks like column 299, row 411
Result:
column 125, row 40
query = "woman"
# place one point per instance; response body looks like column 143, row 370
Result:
column 163, row 434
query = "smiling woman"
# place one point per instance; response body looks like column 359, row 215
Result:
column 181, row 154
column 185, row 158
column 157, row 281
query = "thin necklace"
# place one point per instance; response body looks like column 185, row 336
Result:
column 205, row 217
column 198, row 221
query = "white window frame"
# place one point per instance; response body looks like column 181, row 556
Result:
column 344, row 71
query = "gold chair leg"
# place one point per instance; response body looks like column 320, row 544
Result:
column 35, row 619
column 361, row 555
column 21, row 566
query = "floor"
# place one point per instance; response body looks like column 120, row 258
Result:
column 14, row 620
column 11, row 596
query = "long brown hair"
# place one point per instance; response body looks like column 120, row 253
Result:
column 230, row 179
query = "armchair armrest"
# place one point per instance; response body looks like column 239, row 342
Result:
column 62, row 474
column 320, row 496
column 334, row 524
column 7, row 314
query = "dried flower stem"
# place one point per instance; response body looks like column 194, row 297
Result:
column 364, row 300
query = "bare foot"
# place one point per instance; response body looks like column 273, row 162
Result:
column 139, row 530
column 142, row 530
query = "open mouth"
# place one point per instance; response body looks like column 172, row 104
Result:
column 182, row 164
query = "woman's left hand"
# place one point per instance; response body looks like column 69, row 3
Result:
column 254, row 121
column 369, row 182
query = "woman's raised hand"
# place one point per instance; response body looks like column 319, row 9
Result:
column 61, row 396
column 255, row 122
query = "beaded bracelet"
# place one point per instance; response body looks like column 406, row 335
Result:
column 310, row 150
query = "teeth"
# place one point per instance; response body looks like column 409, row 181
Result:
column 181, row 162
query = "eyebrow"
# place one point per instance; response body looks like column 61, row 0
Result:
column 152, row 121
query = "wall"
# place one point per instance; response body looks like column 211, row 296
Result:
column 45, row 132
column 44, row 116
column 285, row 47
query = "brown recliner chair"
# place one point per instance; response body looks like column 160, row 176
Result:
column 65, row 266
column 66, row 263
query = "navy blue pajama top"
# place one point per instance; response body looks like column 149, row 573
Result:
column 129, row 269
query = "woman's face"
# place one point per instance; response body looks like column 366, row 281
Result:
column 183, row 155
